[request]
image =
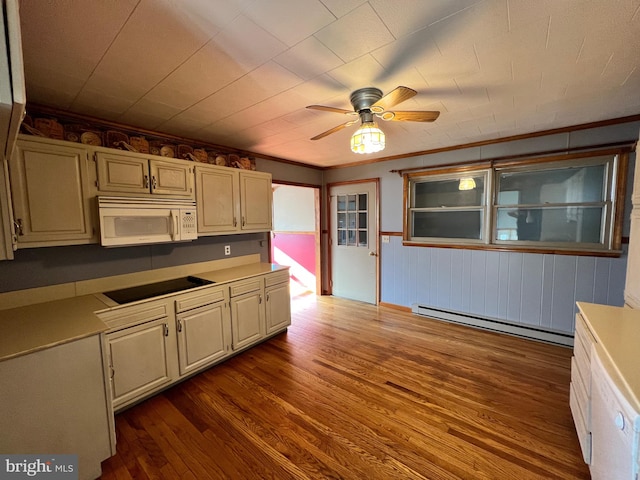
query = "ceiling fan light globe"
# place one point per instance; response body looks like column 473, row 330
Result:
column 368, row 139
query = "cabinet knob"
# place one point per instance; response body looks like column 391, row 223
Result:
column 146, row 181
column 154, row 183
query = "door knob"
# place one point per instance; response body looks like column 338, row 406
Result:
column 373, row 254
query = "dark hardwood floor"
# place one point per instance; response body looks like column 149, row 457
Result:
column 353, row 391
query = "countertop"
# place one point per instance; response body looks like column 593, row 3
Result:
column 617, row 333
column 30, row 328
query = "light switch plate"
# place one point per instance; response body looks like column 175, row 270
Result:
column 385, row 238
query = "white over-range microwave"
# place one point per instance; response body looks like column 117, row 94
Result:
column 128, row 221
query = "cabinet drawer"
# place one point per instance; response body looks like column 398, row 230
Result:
column 583, row 335
column 189, row 301
column 584, row 435
column 276, row 278
column 581, row 393
column 125, row 317
column 241, row 288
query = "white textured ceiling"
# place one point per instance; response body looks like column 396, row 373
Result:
column 241, row 72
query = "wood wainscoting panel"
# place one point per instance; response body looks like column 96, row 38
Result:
column 355, row 391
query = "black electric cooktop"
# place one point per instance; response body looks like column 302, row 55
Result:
column 150, row 290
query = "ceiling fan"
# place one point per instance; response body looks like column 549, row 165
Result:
column 369, row 102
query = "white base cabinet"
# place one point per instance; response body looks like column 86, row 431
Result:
column 154, row 344
column 53, row 402
column 247, row 313
column 277, row 302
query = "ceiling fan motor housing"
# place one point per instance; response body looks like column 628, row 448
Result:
column 363, row 98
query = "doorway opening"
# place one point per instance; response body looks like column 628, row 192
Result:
column 295, row 238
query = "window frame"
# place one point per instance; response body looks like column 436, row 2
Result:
column 614, row 202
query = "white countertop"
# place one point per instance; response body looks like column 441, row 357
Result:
column 29, row 328
column 617, row 333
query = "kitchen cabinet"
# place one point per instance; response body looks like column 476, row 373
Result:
column 247, row 313
column 51, row 193
column 133, row 173
column 277, row 301
column 53, row 402
column 580, row 387
column 141, row 350
column 204, row 328
column 152, row 344
column 12, row 105
column 232, row 201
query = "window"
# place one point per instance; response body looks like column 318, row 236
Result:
column 449, row 207
column 565, row 204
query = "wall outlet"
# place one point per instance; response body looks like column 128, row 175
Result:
column 385, row 239
column 227, row 249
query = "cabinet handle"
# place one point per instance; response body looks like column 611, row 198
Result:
column 179, row 325
column 260, row 298
column 243, row 223
column 154, row 183
column 113, row 372
column 267, row 297
column 166, row 330
column 235, row 222
column 146, row 181
column 18, row 226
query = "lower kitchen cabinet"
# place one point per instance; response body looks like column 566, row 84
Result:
column 277, row 302
column 53, row 402
column 153, row 344
column 247, row 313
column 202, row 336
column 139, row 360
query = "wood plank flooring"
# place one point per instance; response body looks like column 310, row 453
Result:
column 353, row 391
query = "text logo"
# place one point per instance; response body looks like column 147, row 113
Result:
column 45, row 467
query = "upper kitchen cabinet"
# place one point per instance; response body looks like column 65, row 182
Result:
column 256, row 198
column 51, row 193
column 12, row 105
column 134, row 173
column 232, row 201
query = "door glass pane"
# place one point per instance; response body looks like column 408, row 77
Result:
column 352, row 203
column 342, row 203
column 342, row 237
column 448, row 224
column 362, row 220
column 362, row 201
column 342, row 220
column 362, row 238
column 351, row 237
column 352, row 220
column 551, row 224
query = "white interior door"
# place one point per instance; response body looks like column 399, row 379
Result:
column 354, row 241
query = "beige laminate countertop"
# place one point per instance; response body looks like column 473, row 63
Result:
column 30, row 328
column 44, row 325
column 617, row 333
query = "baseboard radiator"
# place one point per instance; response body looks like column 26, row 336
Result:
column 518, row 330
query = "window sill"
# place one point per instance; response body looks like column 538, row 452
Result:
column 511, row 248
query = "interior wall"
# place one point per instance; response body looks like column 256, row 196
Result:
column 533, row 289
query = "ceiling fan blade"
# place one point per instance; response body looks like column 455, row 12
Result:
column 393, row 98
column 425, row 116
column 332, row 109
column 334, row 129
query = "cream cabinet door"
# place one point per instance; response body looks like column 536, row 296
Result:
column 202, row 336
column 256, row 196
column 171, row 177
column 51, row 199
column 247, row 313
column 122, row 174
column 217, row 199
column 278, row 307
column 131, row 173
column 139, row 361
